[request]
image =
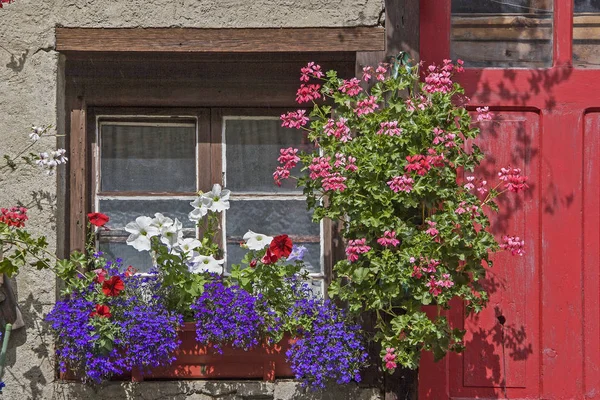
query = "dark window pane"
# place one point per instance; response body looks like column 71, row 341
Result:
column 495, row 33
column 148, row 158
column 592, row 6
column 252, row 147
column 500, row 6
column 121, row 212
column 270, row 217
column 586, row 42
column 140, row 260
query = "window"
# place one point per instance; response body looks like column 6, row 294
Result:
column 586, row 22
column 156, row 163
column 502, row 33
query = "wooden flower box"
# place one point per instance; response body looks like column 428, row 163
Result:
column 195, row 361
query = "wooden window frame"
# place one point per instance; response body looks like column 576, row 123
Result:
column 96, row 116
column 210, row 136
column 218, row 116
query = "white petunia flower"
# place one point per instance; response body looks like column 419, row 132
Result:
column 201, row 205
column 202, row 263
column 257, row 241
column 141, row 231
column 188, row 245
column 219, row 197
column 171, row 234
column 160, row 221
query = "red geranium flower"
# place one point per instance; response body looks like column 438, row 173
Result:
column 269, row 257
column 113, row 286
column 102, row 311
column 98, row 219
column 281, row 246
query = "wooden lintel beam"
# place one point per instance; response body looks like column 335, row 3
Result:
column 194, row 40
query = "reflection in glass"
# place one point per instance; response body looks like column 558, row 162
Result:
column 140, row 260
column 252, row 147
column 271, row 217
column 499, row 33
column 121, row 212
column 586, row 40
column 150, row 158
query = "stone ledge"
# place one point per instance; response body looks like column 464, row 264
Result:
column 210, row 390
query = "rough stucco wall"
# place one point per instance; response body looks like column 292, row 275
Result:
column 31, row 92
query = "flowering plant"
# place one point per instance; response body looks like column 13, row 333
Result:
column 262, row 299
column 116, row 322
column 229, row 314
column 329, row 347
column 17, row 246
column 389, row 162
column 184, row 263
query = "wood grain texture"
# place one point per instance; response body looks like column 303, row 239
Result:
column 78, row 178
column 220, row 40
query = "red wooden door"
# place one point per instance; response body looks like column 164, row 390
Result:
column 547, row 122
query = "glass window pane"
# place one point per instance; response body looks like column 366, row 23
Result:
column 140, row 260
column 121, row 212
column 495, row 33
column 252, row 147
column 270, row 217
column 586, row 41
column 149, row 158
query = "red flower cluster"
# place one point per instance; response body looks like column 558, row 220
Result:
column 308, row 93
column 98, row 219
column 389, row 128
column 437, row 285
column 388, row 239
column 445, row 139
column 512, row 179
column 294, row 119
column 439, row 79
column 379, row 73
column 338, row 129
column 422, row 164
column 346, row 162
column 281, row 246
column 351, row 87
column 390, row 358
column 334, row 182
column 289, row 158
column 418, row 163
column 356, row 247
column 366, row 106
column 311, row 69
column 402, row 183
column 5, row 1
column 15, row 216
column 320, row 167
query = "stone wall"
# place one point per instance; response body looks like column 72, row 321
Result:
column 32, row 92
